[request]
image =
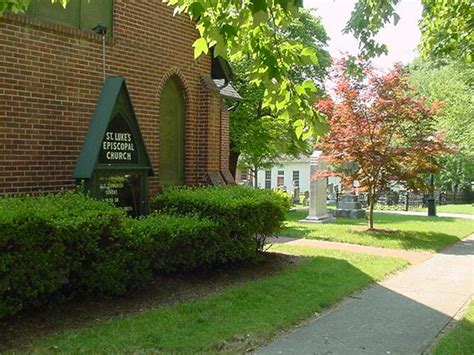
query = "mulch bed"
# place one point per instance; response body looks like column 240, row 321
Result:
column 164, row 290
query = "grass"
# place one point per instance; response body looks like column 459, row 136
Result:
column 462, row 209
column 237, row 319
column 461, row 339
column 411, row 232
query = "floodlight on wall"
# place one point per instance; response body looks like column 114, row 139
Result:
column 101, row 30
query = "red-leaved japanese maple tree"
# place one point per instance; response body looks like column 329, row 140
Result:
column 381, row 131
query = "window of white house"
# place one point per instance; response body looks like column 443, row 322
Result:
column 281, row 178
column 268, row 179
column 296, row 178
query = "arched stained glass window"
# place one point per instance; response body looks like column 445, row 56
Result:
column 172, row 134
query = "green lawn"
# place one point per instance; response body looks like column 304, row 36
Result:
column 460, row 340
column 463, row 209
column 239, row 318
column 411, row 232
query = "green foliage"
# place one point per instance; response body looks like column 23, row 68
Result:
column 259, row 134
column 20, row 6
column 181, row 243
column 453, row 85
column 59, row 246
column 366, row 20
column 396, row 231
column 263, row 35
column 256, row 31
column 237, row 319
column 446, row 27
column 52, row 243
column 245, row 214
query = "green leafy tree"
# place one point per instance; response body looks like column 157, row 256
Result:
column 257, row 137
column 447, row 27
column 453, row 85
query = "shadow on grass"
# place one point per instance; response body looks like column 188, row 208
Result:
column 463, row 247
column 379, row 218
column 431, row 241
column 162, row 291
column 236, row 319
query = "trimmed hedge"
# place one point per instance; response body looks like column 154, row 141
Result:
column 246, row 214
column 61, row 246
column 181, row 243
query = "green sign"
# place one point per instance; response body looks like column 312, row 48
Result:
column 114, row 164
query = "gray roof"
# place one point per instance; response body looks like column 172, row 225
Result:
column 227, row 91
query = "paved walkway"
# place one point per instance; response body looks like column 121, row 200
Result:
column 401, row 315
column 424, row 214
column 411, row 256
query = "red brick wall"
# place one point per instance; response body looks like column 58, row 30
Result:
column 224, row 158
column 51, row 77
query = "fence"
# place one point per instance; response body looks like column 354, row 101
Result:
column 406, row 200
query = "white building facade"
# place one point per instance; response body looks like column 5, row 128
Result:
column 287, row 174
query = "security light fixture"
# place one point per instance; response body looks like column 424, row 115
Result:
column 101, row 29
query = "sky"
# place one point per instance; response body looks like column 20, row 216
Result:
column 401, row 39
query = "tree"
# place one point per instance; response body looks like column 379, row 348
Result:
column 381, row 130
column 446, row 27
column 256, row 136
column 263, row 142
column 453, row 85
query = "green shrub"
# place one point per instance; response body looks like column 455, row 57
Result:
column 62, row 245
column 181, row 243
column 247, row 215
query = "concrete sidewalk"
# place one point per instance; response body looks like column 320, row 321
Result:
column 424, row 214
column 401, row 315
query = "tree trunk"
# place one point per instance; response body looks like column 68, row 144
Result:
column 371, row 200
column 233, row 159
column 255, row 177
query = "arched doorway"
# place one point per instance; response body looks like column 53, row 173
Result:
column 172, row 134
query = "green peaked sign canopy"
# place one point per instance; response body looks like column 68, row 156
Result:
column 114, row 140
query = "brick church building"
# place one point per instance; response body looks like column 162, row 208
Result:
column 51, row 76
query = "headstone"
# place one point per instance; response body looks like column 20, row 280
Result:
column 349, row 206
column 113, row 164
column 318, row 212
column 306, row 198
column 296, row 195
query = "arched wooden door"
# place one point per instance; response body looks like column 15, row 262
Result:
column 172, row 134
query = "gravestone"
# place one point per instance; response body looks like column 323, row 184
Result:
column 306, row 198
column 349, row 206
column 113, row 164
column 318, row 212
column 296, row 195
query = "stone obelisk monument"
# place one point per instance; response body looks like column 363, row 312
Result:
column 318, row 212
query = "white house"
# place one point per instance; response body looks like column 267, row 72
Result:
column 290, row 172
